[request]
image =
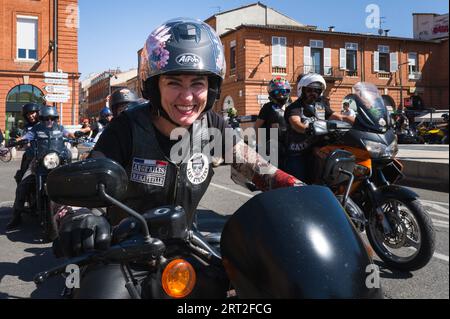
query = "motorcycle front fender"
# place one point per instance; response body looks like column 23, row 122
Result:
column 396, row 192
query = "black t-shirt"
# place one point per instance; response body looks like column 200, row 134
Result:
column 272, row 114
column 296, row 142
column 117, row 144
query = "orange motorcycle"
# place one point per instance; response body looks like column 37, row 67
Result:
column 358, row 163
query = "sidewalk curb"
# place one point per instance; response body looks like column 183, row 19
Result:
column 429, row 175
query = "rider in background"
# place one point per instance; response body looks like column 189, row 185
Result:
column 272, row 113
column 120, row 99
column 48, row 117
column 105, row 116
column 30, row 113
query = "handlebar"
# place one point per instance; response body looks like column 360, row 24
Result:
column 131, row 250
column 13, row 143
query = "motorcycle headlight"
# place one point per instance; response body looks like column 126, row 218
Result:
column 51, row 160
column 380, row 150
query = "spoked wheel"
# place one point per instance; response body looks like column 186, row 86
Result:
column 408, row 242
column 5, row 155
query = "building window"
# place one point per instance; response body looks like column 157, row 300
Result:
column 413, row 65
column 233, row 57
column 316, row 55
column 279, row 53
column 316, row 44
column 384, row 64
column 351, row 59
column 316, row 59
column 27, row 38
column 16, row 98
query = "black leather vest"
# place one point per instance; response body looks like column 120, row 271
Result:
column 154, row 180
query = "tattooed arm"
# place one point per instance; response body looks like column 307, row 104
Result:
column 248, row 165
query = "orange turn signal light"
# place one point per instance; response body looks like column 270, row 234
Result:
column 178, row 278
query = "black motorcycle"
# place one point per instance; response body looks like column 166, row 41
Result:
column 406, row 133
column 48, row 154
column 287, row 243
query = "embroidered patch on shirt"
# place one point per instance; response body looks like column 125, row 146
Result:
column 197, row 168
column 149, row 172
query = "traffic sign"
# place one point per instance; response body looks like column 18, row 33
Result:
column 56, row 98
column 56, row 81
column 57, row 75
column 57, row 89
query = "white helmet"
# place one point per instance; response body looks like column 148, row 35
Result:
column 310, row 80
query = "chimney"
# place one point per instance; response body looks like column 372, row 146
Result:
column 331, row 28
column 386, row 32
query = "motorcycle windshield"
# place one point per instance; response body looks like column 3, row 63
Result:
column 295, row 243
column 48, row 145
column 371, row 112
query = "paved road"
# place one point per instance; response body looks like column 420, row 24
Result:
column 22, row 255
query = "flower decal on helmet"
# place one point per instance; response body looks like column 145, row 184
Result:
column 155, row 48
column 278, row 83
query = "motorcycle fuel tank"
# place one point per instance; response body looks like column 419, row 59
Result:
column 295, row 243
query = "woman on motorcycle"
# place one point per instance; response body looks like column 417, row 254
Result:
column 272, row 113
column 181, row 70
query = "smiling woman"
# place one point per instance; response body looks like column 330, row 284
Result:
column 183, row 98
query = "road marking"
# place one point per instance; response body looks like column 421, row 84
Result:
column 439, row 215
column 440, row 256
column 232, row 190
column 433, row 202
column 435, row 255
column 440, row 225
column 438, row 208
column 6, row 204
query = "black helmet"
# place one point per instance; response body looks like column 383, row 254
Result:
column 122, row 96
column 30, row 108
column 182, row 46
column 48, row 111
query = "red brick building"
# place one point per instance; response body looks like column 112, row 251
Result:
column 255, row 53
column 31, row 43
column 103, row 85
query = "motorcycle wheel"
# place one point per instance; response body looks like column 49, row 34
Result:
column 411, row 244
column 6, row 156
column 49, row 223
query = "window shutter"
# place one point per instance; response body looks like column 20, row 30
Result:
column 394, row 62
column 327, row 61
column 283, row 57
column 307, row 63
column 274, row 51
column 343, row 59
column 376, row 61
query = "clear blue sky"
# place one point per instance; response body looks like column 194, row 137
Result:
column 111, row 31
